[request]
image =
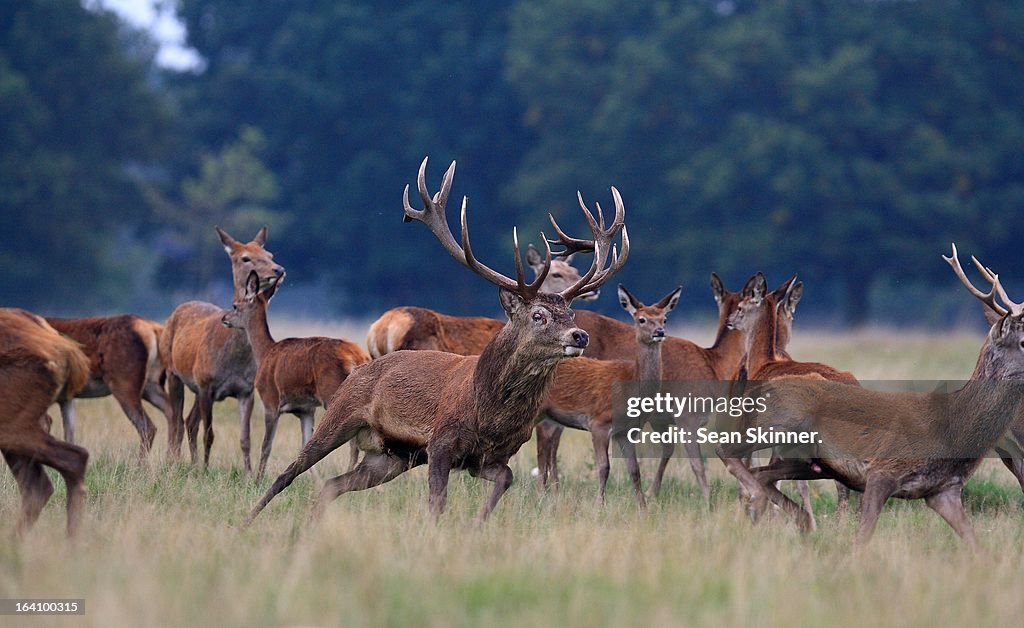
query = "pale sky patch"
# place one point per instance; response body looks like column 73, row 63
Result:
column 157, row 17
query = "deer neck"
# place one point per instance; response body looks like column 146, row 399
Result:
column 979, row 414
column 510, row 379
column 648, row 362
column 258, row 331
column 728, row 349
column 760, row 346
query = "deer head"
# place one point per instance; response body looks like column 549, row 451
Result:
column 250, row 257
column 561, row 275
column 1002, row 356
column 252, row 299
column 649, row 320
column 541, row 321
column 756, row 301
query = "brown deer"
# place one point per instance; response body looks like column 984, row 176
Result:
column 296, row 375
column 767, row 320
column 419, row 328
column 460, row 412
column 38, row 367
column 124, row 361
column 861, row 432
column 581, row 393
column 215, row 362
column 682, row 360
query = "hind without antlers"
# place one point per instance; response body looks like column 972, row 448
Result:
column 460, row 412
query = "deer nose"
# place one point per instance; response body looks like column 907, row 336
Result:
column 659, row 332
column 278, row 270
column 581, row 338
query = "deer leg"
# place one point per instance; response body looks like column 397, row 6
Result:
column 804, row 490
column 696, row 459
column 1015, row 465
column 877, row 491
column 202, row 412
column 667, row 449
column 502, row 477
column 175, row 421
column 949, row 504
column 270, row 421
column 842, row 501
column 70, row 461
column 331, row 435
column 600, row 437
column 34, row 486
column 245, row 403
column 67, row 414
column 750, row 489
column 374, row 470
column 306, row 421
column 439, row 467
column 781, row 469
column 128, row 398
column 633, row 466
column 548, row 435
column 192, row 427
column 353, row 455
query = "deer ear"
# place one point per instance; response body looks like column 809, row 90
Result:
column 795, row 294
column 628, row 301
column 261, row 236
column 718, row 288
column 671, row 300
column 510, row 301
column 991, row 315
column 225, row 239
column 252, row 286
column 755, row 288
column 780, row 293
column 533, row 257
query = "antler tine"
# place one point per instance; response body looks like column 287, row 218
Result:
column 601, row 245
column 993, row 279
column 530, row 290
column 484, row 271
column 988, row 298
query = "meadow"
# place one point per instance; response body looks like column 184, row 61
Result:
column 160, row 544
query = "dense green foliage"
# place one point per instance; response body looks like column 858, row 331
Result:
column 847, row 141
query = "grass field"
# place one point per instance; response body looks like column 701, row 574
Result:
column 159, row 544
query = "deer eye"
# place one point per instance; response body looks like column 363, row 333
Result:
column 642, row 320
column 538, row 317
column 556, row 275
column 246, row 259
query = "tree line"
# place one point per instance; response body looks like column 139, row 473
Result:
column 849, row 141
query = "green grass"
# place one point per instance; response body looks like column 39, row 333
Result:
column 160, row 546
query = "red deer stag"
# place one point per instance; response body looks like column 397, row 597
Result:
column 682, row 360
column 38, row 366
column 581, row 394
column 124, row 361
column 459, row 412
column 215, row 362
column 855, row 424
column 295, row 375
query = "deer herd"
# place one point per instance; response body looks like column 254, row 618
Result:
column 467, row 393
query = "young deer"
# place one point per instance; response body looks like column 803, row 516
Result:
column 296, row 375
column 767, row 320
column 419, row 328
column 459, row 412
column 124, row 361
column 215, row 362
column 682, row 360
column 38, row 366
column 861, row 432
column 581, row 393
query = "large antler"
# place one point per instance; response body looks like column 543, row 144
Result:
column 433, row 215
column 988, row 298
column 600, row 246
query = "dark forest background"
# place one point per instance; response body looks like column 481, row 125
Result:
column 847, row 141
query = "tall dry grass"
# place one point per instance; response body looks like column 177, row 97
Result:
column 159, row 544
